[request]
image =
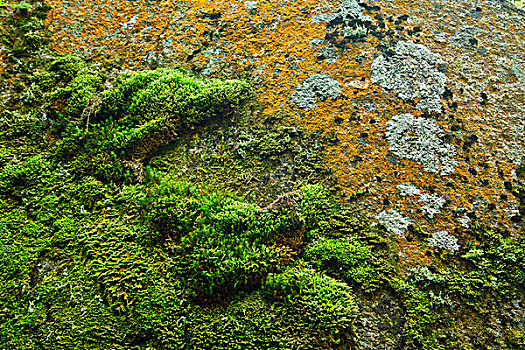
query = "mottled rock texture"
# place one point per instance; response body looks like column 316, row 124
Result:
column 423, row 102
column 455, row 67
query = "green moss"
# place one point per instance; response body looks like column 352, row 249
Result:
column 348, row 259
column 317, row 302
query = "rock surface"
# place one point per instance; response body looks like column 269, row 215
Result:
column 452, row 72
column 456, row 67
column 423, row 103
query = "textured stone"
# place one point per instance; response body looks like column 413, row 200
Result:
column 444, row 240
column 394, row 221
column 413, row 73
column 348, row 10
column 408, row 190
column 316, row 88
column 419, row 139
column 479, row 88
column 432, row 204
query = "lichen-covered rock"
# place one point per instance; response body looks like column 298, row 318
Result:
column 413, row 72
column 318, row 87
column 465, row 37
column 462, row 62
column 347, row 11
column 429, row 107
column 394, row 221
column 408, row 190
column 419, row 139
column 432, row 204
column 444, row 240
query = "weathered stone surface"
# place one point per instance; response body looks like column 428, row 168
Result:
column 419, row 140
column 318, row 87
column 455, row 67
column 413, row 73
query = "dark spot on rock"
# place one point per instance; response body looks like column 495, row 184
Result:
column 372, row 121
column 484, row 98
column 507, row 185
column 213, row 15
column 478, row 9
column 516, row 219
column 447, row 94
column 448, row 138
column 370, row 8
column 455, row 128
column 473, row 41
column 338, row 120
column 469, row 141
column 492, row 206
column 454, row 105
column 503, row 197
column 386, row 201
column 193, row 54
column 401, row 19
column 414, row 31
column 485, row 182
column 472, row 171
column 364, row 135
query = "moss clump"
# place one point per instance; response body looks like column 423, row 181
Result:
column 351, row 260
column 108, row 132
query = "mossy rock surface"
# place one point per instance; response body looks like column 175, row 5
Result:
column 163, row 208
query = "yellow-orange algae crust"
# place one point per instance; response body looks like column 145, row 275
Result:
column 276, row 44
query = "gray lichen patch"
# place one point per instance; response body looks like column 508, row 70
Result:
column 464, row 221
column 465, row 37
column 432, row 204
column 251, row 5
column 519, row 71
column 348, row 10
column 419, row 140
column 329, row 54
column 315, row 88
column 394, row 221
column 407, row 189
column 444, row 240
column 413, row 72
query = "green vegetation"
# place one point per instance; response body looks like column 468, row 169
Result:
column 158, row 209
